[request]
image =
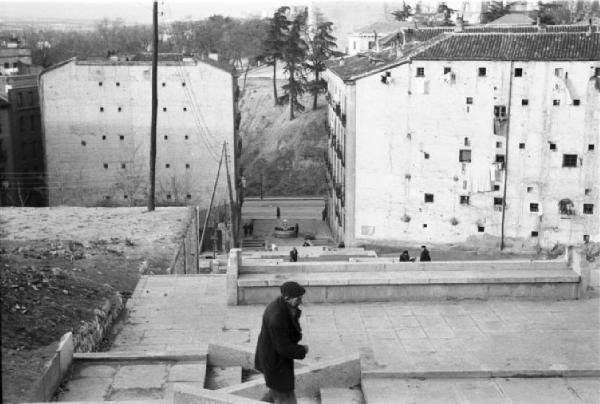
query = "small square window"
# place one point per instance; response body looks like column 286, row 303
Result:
column 499, row 158
column 189, row 196
column 500, row 111
column 83, row 143
column 464, row 156
column 576, row 102
column 480, row 229
column 105, row 165
column 101, row 109
column 556, row 102
column 521, row 145
column 464, row 199
column 469, row 100
column 424, row 225
column 428, row 198
column 119, row 109
column 121, row 137
column 107, row 197
column 168, row 196
column 467, row 142
column 588, row 191
column 498, row 145
column 100, row 84
column 529, row 189
column 186, row 137
column 187, row 165
column 167, row 165
column 103, row 137
column 118, row 84
column 496, row 187
column 166, row 137
column 591, row 147
column 426, row 155
column 588, row 208
column 164, row 84
column 597, row 72
column 447, row 70
column 586, row 238
column 534, row 207
column 552, row 146
column 184, row 109
column 123, row 165
column 420, row 72
column 125, row 197
column 183, row 84
column 518, row 72
column 534, row 233
column 164, row 109
column 498, row 201
column 481, row 71
column 569, row 160
column 524, row 102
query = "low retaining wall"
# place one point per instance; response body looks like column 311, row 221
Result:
column 86, row 339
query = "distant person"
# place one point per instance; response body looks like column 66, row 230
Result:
column 293, row 255
column 245, row 229
column 296, row 230
column 251, row 228
column 278, row 346
column 324, row 213
column 404, row 257
column 278, row 212
column 306, row 243
column 425, row 254
column 341, row 245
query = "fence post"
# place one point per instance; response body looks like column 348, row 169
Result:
column 196, row 239
column 184, row 259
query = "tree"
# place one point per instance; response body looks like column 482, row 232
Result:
column 552, row 13
column 404, row 13
column 446, row 14
column 321, row 48
column 274, row 42
column 293, row 54
column 495, row 10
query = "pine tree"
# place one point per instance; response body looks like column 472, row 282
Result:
column 294, row 53
column 322, row 47
column 277, row 33
column 404, row 13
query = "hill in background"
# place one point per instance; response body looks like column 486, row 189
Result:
column 288, row 154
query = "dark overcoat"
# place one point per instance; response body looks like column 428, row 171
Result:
column 278, row 345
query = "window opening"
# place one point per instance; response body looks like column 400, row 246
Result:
column 556, row 102
column 566, row 207
column 552, row 146
column 189, row 196
column 105, row 165
column 588, row 191
column 591, row 147
column 83, row 143
column 464, row 156
column 518, row 72
column 428, row 198
column 496, row 187
column 420, row 72
column 500, row 111
column 482, row 71
column 118, row 84
column 469, row 100
column 534, row 207
column 123, row 165
column 480, row 229
column 498, row 145
column 426, row 155
column 167, row 165
column 588, row 208
column 534, row 233
column 464, row 199
column 166, row 137
column 576, row 102
column 569, row 160
column 101, row 109
column 524, row 102
column 521, row 145
column 499, row 158
column 121, row 137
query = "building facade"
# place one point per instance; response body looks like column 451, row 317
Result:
column 22, row 178
column 97, row 117
column 465, row 136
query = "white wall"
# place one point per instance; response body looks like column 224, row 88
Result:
column 71, row 102
column 439, row 119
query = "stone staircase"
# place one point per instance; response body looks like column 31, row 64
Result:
column 254, row 244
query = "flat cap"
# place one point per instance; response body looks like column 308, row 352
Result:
column 292, row 289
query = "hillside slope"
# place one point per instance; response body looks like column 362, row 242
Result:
column 288, row 154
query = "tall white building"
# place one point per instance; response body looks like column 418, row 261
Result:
column 468, row 135
column 96, row 117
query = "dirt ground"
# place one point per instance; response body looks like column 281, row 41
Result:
column 59, row 264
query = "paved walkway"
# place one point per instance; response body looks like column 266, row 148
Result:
column 185, row 313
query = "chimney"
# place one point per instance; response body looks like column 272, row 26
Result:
column 459, row 25
column 590, row 30
column 376, row 41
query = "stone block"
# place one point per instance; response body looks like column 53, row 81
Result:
column 96, row 371
column 187, row 372
column 86, row 389
column 135, row 394
column 65, row 352
column 186, row 394
column 230, row 355
column 343, row 372
column 140, row 376
column 339, row 395
column 315, row 294
column 233, row 265
column 218, row 377
column 470, row 291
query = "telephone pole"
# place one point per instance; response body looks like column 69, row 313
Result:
column 152, row 179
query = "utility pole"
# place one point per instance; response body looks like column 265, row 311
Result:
column 232, row 205
column 152, row 179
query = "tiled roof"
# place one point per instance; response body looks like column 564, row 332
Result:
column 497, row 46
column 384, row 27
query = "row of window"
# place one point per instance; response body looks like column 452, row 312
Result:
column 518, row 72
column 118, row 84
column 588, row 208
column 7, row 65
column 167, row 165
column 120, row 109
column 498, row 113
column 122, row 137
column 168, row 197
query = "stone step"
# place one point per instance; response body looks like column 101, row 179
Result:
column 338, row 287
column 337, row 395
column 218, row 377
column 308, row 400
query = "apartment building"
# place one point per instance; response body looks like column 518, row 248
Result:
column 465, row 136
column 97, row 116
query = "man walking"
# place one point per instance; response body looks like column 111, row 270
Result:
column 293, row 255
column 278, row 344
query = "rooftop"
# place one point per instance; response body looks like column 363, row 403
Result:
column 513, row 19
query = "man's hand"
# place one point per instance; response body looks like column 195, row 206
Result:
column 306, row 348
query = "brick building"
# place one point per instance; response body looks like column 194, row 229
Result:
column 468, row 135
column 97, row 115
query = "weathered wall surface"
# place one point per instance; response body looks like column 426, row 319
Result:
column 409, row 134
column 97, row 129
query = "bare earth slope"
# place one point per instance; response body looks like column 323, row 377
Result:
column 289, row 154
